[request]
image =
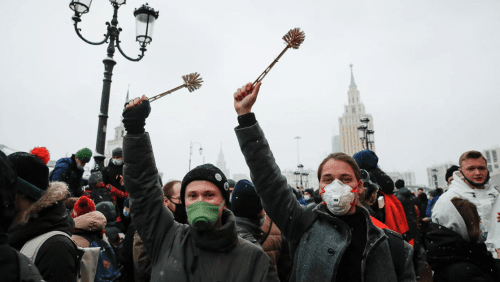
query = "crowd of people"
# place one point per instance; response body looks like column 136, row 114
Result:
column 123, row 224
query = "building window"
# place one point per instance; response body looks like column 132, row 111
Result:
column 490, row 169
column 496, row 165
column 353, row 110
column 495, row 158
column 123, row 132
column 488, row 156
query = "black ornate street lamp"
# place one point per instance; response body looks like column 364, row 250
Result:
column 365, row 134
column 145, row 18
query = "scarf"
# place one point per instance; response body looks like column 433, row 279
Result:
column 395, row 217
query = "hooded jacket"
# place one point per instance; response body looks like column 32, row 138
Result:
column 249, row 231
column 88, row 228
column 451, row 254
column 317, row 239
column 57, row 258
column 66, row 170
column 486, row 201
column 177, row 251
column 110, row 173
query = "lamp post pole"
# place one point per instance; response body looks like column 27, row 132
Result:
column 191, row 152
column 145, row 17
column 365, row 134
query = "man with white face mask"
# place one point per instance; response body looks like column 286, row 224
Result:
column 113, row 173
column 332, row 241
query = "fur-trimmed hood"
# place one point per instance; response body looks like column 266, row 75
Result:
column 92, row 221
column 46, row 214
column 57, row 192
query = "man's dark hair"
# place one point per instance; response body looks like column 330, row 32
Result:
column 343, row 158
column 470, row 155
column 168, row 189
column 420, row 189
column 400, row 183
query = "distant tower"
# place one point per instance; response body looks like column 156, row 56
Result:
column 119, row 133
column 350, row 120
column 221, row 163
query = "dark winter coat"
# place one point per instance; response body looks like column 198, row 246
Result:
column 110, row 173
column 454, row 259
column 249, row 231
column 430, row 206
column 177, row 251
column 142, row 263
column 66, row 170
column 272, row 243
column 409, row 202
column 57, row 258
column 318, row 240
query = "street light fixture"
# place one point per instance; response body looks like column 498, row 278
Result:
column 366, row 135
column 145, row 19
column 191, row 152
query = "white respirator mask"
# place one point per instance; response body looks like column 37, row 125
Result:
column 339, row 197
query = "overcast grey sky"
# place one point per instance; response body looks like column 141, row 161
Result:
column 427, row 72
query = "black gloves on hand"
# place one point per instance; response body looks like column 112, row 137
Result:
column 134, row 119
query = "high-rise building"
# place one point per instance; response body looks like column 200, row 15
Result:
column 350, row 142
column 440, row 174
column 336, row 144
column 492, row 156
column 119, row 133
column 407, row 176
column 221, row 163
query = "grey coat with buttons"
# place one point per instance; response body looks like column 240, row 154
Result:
column 317, row 239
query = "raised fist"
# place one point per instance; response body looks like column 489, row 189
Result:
column 245, row 97
column 135, row 113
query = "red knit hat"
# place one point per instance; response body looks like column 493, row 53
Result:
column 82, row 206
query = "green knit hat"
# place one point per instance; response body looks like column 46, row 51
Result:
column 84, row 155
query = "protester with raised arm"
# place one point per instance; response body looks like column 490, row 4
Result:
column 332, row 241
column 206, row 249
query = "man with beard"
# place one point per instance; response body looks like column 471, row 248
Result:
column 470, row 182
column 207, row 248
column 333, row 241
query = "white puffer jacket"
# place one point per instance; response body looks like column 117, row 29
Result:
column 486, row 201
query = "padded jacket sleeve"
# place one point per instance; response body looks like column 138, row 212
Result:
column 154, row 223
column 278, row 200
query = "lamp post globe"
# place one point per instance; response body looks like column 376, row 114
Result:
column 112, row 37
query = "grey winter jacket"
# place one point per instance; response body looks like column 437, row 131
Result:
column 317, row 239
column 177, row 251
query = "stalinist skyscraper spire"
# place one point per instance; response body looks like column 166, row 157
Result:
column 350, row 120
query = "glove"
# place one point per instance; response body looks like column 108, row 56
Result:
column 134, row 119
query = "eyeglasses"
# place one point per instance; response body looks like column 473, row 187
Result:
column 177, row 199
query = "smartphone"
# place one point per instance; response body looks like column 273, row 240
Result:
column 381, row 202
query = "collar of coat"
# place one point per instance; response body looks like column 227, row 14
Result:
column 222, row 239
column 374, row 233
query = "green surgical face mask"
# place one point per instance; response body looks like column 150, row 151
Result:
column 203, row 215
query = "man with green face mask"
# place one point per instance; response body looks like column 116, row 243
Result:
column 206, row 249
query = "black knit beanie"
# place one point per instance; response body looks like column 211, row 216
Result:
column 32, row 174
column 400, row 183
column 109, row 211
column 210, row 173
column 450, row 171
column 245, row 202
column 118, row 152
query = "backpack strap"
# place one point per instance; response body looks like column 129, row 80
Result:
column 31, row 248
column 397, row 249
